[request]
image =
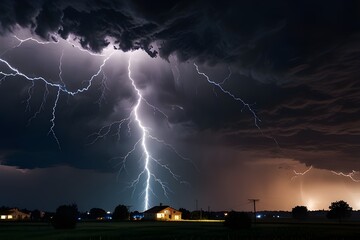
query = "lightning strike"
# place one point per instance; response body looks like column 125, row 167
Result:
column 224, row 80
column 350, row 175
column 103, row 89
column 42, row 105
column 143, row 138
column 60, row 87
column 297, row 174
column 219, row 86
column 30, row 92
column 52, row 120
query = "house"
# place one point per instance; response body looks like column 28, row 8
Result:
column 162, row 213
column 13, row 214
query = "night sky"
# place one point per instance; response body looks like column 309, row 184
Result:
column 295, row 63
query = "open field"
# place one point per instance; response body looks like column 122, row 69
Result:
column 179, row 230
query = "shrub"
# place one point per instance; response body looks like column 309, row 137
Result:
column 339, row 210
column 121, row 213
column 237, row 220
column 65, row 217
column 97, row 213
column 300, row 212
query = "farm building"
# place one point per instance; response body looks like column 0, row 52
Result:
column 13, row 214
column 162, row 213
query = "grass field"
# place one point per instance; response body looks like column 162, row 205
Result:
column 178, row 230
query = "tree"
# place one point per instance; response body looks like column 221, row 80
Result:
column 237, row 220
column 185, row 214
column 65, row 217
column 339, row 210
column 35, row 215
column 300, row 212
column 121, row 212
column 97, row 213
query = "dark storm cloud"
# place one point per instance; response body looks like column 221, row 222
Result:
column 261, row 34
column 314, row 115
column 304, row 54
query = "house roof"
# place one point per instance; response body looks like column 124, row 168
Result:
column 5, row 212
column 156, row 209
column 11, row 211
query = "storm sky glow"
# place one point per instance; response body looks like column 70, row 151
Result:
column 175, row 91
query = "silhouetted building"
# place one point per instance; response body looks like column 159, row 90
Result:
column 13, row 214
column 162, row 213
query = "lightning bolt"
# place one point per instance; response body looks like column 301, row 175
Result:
column 297, row 174
column 103, row 88
column 60, row 87
column 223, row 81
column 144, row 136
column 143, row 143
column 219, row 86
column 350, row 175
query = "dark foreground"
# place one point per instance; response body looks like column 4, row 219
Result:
column 179, row 230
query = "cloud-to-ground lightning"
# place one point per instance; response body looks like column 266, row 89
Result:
column 59, row 87
column 142, row 145
column 144, row 133
column 143, row 141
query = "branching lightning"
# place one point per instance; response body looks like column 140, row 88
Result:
column 145, row 133
column 60, row 87
column 298, row 174
column 350, row 175
column 219, row 86
column 147, row 157
column 224, row 80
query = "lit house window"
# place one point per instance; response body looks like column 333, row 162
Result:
column 3, row 216
column 9, row 216
column 177, row 217
column 159, row 215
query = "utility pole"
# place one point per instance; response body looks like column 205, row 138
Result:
column 254, row 200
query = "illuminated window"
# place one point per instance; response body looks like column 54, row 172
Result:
column 159, row 215
column 10, row 216
column 3, row 216
column 177, row 217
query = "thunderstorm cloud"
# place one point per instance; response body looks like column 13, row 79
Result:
column 296, row 63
